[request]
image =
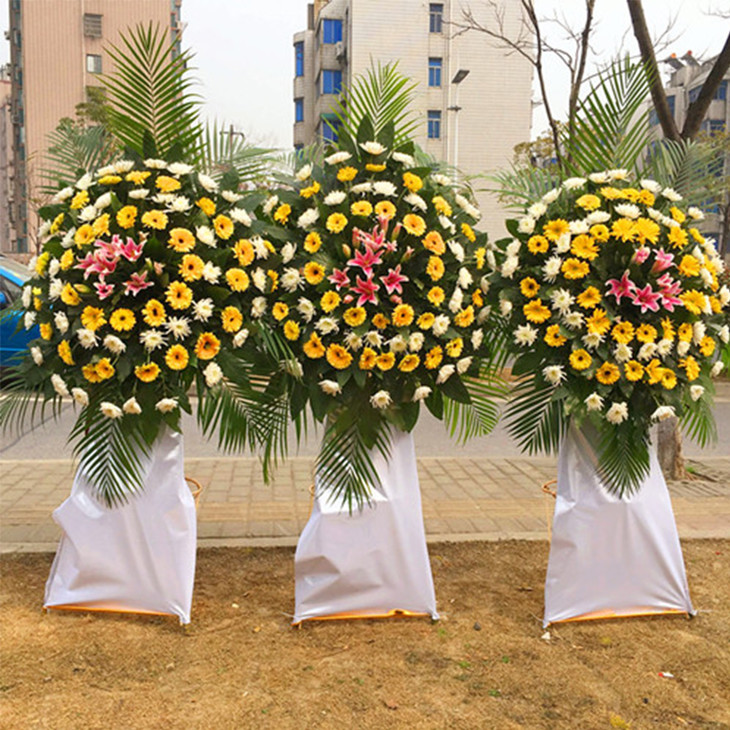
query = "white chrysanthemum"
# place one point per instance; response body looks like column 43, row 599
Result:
column 594, row 402
column 203, row 310
column 353, row 341
column 463, row 365
column 337, row 158
column 29, row 319
column 682, row 348
column 598, row 216
column 456, row 301
column 664, row 347
column 122, row 166
column 695, row 213
column 132, row 407
column 416, row 340
column 510, row 265
column 536, row 210
column 465, row 279
column 178, row 327
column 110, row 410
column 373, row 338
column 290, row 279
column 270, row 204
column 505, row 307
column 578, row 227
column 513, row 248
column 166, row 405
column 572, row 183
column 385, row 188
column 416, row 201
column 421, row 393
column 525, row 335
column 617, row 413
column 207, row 182
column 306, row 309
column 706, row 276
column 647, row 350
column 61, row 321
column 592, row 340
column 622, row 352
column 27, row 296
column 397, row 344
column 213, row 374
column 574, row 320
column 205, row 235
column 554, row 374
column 152, row 339
column 447, row 224
column 619, row 174
column 696, row 392
column 484, row 284
column 724, row 333
column 699, row 330
column 335, row 197
column 551, row 268
column 68, row 240
column 551, row 196
column 55, row 288
column 259, row 279
column 381, row 399
column 562, row 299
column 80, row 396
column 476, row 339
column 155, row 164
column 114, row 344
column 599, row 178
column 716, row 369
column 440, row 325
column 724, row 295
column 211, row 273
column 179, row 168
column 259, row 247
column 671, row 195
column 138, row 193
column 86, row 215
column 54, row 267
column 240, row 216
column 457, row 250
column 180, row 204
column 327, row 325
column 240, row 337
column 373, row 148
column 84, row 182
column 651, row 185
column 362, row 188
column 404, row 159
column 62, row 195
column 483, row 315
column 662, row 413
column 491, row 261
column 59, row 385
column 103, row 201
column 231, row 196
column 628, row 210
column 308, row 218
column 87, row 338
column 654, row 214
column 445, row 372
column 330, row 387
column 562, row 245
column 303, row 173
column 440, row 179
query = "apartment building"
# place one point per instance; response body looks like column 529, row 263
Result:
column 473, row 101
column 57, row 52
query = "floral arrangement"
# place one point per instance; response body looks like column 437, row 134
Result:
column 380, row 297
column 134, row 294
column 612, row 297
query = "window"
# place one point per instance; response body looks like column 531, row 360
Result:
column 435, row 17
column 694, row 93
column 331, row 81
column 92, row 25
column 299, row 110
column 713, row 127
column 299, row 59
column 721, row 91
column 653, row 117
column 331, row 30
column 329, row 127
column 434, row 124
column 93, row 63
column 670, row 101
column 434, row 71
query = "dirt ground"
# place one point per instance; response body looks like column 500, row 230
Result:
column 484, row 665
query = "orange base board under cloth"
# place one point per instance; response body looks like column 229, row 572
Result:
column 608, row 614
column 346, row 616
column 107, row 609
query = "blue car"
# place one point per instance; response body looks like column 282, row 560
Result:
column 12, row 277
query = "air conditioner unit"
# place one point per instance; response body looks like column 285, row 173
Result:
column 340, row 50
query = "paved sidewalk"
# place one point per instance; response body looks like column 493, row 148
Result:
column 463, row 499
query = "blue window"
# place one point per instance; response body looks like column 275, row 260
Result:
column 299, row 110
column 721, row 91
column 434, row 71
column 329, row 127
column 694, row 93
column 299, row 59
column 331, row 30
column 435, row 17
column 331, row 81
column 434, row 124
column 653, row 117
column 670, row 101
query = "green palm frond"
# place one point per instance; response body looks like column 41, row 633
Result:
column 699, row 421
column 72, row 150
column 150, row 94
column 384, row 97
column 623, row 459
column 22, row 405
column 517, row 187
column 610, row 128
column 344, row 466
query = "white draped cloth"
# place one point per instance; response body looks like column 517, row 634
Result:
column 137, row 557
column 372, row 562
column 611, row 556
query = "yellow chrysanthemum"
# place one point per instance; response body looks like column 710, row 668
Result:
column 442, row 205
column 312, row 242
column 80, row 200
column 580, row 360
column 313, row 347
column 465, row 318
column 553, row 338
column 403, row 315
column 279, row 311
column 677, row 237
column 633, row 370
column 313, row 273
column 375, row 166
column 455, row 347
column 412, row 182
column 645, row 230
column 707, row 346
column 105, row 369
column 426, row 320
column 207, row 346
column 154, row 313
column 330, row 301
column 436, row 296
column 338, row 357
column 598, row 323
column 623, row 332
column 434, row 357
column 385, row 209
column 646, row 197
column 191, row 267
column 67, row 260
column 155, row 219
column 529, row 287
column 181, row 240
column 345, row 174
column 167, row 184
column 177, row 358
column 409, row 363
column 84, row 235
column 694, row 301
column 179, row 295
column 368, row 359
column 93, row 318
column 336, row 222
column 237, row 279
column 689, row 266
column 147, row 372
column 291, row 330
column 101, row 225
column 414, row 224
column 380, row 321
column 354, row 316
column 89, row 372
column 590, row 297
column 535, row 311
column 361, row 208
column 110, row 180
column 434, row 243
column 385, row 361
column 588, row 202
column 122, row 320
column 608, row 373
column 435, row 268
column 574, row 268
column 599, row 232
column 668, row 330
column 538, row 244
column 206, row 205
column 555, row 229
column 677, row 214
column 243, row 251
column 611, row 193
column 468, row 231
column 691, row 368
column 669, row 379
column 646, row 333
column 64, row 352
column 69, row 296
column 311, row 190
column 231, row 319
column 623, row 229
column 223, row 226
column 137, row 177
column 584, row 247
column 126, row 216
column 46, row 330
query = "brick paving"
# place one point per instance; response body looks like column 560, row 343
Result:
column 463, row 499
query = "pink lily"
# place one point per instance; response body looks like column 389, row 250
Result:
column 131, row 250
column 339, row 278
column 86, row 264
column 136, row 283
column 365, row 260
column 663, row 261
column 670, row 290
column 646, row 298
column 103, row 289
column 367, row 289
column 108, row 251
column 393, row 280
column 621, row 287
column 372, row 240
column 640, row 255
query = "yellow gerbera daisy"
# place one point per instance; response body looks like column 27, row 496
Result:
column 64, row 352
column 538, row 244
column 147, row 372
column 181, row 240
column 104, row 368
column 588, row 202
column 529, row 287
column 153, row 313
column 381, row 321
column 92, row 318
column 385, row 361
column 647, row 333
column 368, row 358
column 354, row 316
column 598, row 323
column 167, row 184
column 243, row 251
column 403, row 315
column 179, row 295
column 84, row 235
column 555, row 229
column 608, row 373
column 442, row 205
column 155, row 219
column 237, row 279
column 329, row 301
column 623, row 332
column 223, row 226
column 279, row 311
column 313, row 347
column 436, row 296
column 465, row 318
column 409, row 363
column 414, row 224
column 312, row 242
column 385, row 209
column 361, row 208
column 207, row 346
column 69, row 296
column 553, row 338
column 412, row 182
column 633, row 370
column 313, row 273
column 580, row 360
column 191, row 267
column 455, row 347
column 535, row 311
column 311, row 190
column 126, row 216
column 231, row 319
column 345, row 174
column 338, row 357
column 206, row 205
column 585, row 247
column 435, row 268
column 434, row 357
column 426, row 320
column 574, row 268
column 177, row 358
column 434, row 243
column 336, row 222
column 589, row 297
column 291, row 330
column 101, row 225
column 122, row 320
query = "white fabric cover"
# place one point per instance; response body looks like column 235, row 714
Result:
column 373, row 562
column 139, row 556
column 611, row 556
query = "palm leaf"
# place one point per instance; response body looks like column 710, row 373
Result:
column 623, row 459
column 699, row 421
column 22, row 406
column 517, row 187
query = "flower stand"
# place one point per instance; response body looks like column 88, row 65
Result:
column 372, row 563
column 137, row 557
column 611, row 557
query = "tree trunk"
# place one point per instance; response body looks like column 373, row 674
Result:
column 669, row 449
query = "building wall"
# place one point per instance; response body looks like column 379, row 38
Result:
column 495, row 98
column 6, row 154
column 49, row 52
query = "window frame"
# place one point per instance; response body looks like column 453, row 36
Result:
column 92, row 22
column 335, row 76
column 299, row 59
column 435, row 17
column 332, row 123
column 91, row 60
column 298, row 109
column 434, row 118
column 331, row 31
column 435, row 72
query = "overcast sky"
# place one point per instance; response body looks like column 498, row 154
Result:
column 244, row 57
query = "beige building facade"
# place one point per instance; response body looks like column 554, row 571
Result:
column 6, row 161
column 57, row 52
column 473, row 101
